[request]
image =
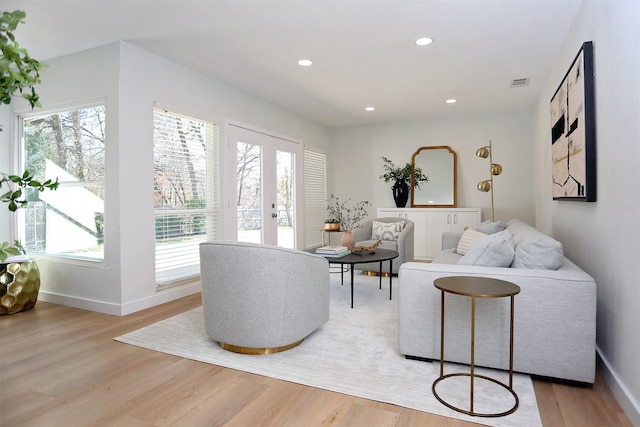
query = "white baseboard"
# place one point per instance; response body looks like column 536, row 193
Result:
column 75, row 302
column 160, row 297
column 627, row 402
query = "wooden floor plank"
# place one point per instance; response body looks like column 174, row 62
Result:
column 61, row 366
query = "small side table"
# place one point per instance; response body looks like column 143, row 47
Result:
column 476, row 287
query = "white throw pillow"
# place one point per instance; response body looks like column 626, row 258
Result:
column 539, row 252
column 495, row 250
column 386, row 230
column 469, row 237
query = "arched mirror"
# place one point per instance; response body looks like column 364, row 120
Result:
column 439, row 164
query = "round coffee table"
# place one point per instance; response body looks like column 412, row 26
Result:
column 380, row 256
column 476, row 287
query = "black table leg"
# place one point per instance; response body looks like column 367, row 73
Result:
column 390, row 277
column 352, row 286
column 380, row 274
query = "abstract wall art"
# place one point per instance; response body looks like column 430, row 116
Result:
column 573, row 131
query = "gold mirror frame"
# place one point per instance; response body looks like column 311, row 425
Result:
column 442, row 176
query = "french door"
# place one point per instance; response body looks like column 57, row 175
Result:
column 268, row 201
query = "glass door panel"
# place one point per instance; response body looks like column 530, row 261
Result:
column 285, row 197
column 266, row 195
column 249, row 192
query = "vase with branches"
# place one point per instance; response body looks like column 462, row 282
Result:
column 400, row 176
column 348, row 216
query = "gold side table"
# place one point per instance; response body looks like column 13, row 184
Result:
column 476, row 287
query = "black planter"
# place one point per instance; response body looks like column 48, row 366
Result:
column 400, row 193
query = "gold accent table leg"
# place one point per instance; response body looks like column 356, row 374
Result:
column 473, row 348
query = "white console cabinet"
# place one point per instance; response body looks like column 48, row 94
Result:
column 430, row 223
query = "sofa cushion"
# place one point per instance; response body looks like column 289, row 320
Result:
column 490, row 227
column 468, row 238
column 494, row 250
column 534, row 249
column 539, row 252
column 386, row 230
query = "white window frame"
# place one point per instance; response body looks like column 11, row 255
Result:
column 180, row 262
column 20, row 225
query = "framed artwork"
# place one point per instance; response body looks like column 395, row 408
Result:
column 573, row 131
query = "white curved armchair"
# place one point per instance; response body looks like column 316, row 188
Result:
column 403, row 245
column 260, row 299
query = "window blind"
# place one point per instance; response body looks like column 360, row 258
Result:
column 315, row 196
column 184, row 193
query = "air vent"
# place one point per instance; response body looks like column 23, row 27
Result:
column 519, row 82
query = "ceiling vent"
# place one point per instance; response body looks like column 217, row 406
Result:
column 519, row 82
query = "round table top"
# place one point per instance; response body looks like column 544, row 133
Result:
column 482, row 287
column 380, row 255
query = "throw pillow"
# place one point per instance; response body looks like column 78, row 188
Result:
column 386, row 230
column 539, row 252
column 489, row 227
column 469, row 237
column 495, row 250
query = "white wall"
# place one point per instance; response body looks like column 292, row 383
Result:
column 355, row 164
column 131, row 80
column 604, row 237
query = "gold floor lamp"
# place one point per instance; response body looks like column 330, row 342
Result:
column 495, row 169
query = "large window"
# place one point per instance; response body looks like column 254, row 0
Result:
column 184, row 189
column 69, row 146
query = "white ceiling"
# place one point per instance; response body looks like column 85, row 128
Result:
column 364, row 51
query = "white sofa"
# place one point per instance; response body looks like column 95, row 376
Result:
column 555, row 311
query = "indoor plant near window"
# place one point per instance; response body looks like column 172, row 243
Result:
column 400, row 175
column 348, row 217
column 19, row 280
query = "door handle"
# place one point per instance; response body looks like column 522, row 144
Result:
column 274, row 215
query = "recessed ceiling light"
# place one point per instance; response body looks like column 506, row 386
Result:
column 305, row 62
column 370, row 108
column 451, row 101
column 424, row 41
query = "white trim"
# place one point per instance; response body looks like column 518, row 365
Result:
column 65, row 106
column 255, row 129
column 114, row 309
column 82, row 303
column 621, row 392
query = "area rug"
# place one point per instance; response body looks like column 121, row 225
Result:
column 355, row 353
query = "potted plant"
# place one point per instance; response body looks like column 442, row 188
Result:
column 348, row 217
column 332, row 224
column 400, row 175
column 19, row 276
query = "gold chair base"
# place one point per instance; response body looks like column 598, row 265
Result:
column 258, row 351
column 375, row 273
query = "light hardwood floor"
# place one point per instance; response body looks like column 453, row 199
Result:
column 59, row 366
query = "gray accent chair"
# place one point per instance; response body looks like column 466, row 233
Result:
column 404, row 245
column 260, row 297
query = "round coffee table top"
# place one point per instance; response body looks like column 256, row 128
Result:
column 482, row 287
column 380, row 255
